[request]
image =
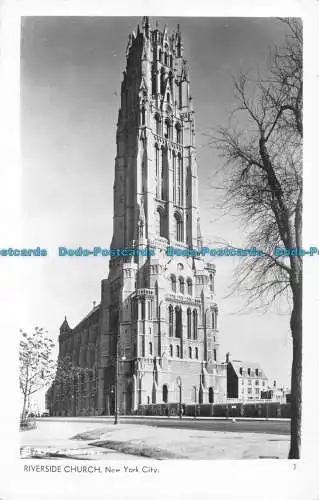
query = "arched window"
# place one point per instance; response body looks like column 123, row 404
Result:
column 171, row 351
column 168, row 97
column 166, row 58
column 170, row 320
column 180, row 95
column 165, row 393
column 149, row 310
column 174, row 177
column 177, row 351
column 189, row 323
column 179, row 180
column 178, row 133
column 143, row 115
column 157, row 165
column 158, row 222
column 161, row 229
column 150, row 348
column 143, row 309
column 211, row 282
column 179, row 233
column 189, row 287
column 173, row 283
column 160, row 55
column 181, row 285
column 134, row 310
column 190, row 352
column 210, row 395
column 162, row 81
column 196, row 352
column 178, row 322
column 214, row 320
column 154, row 82
column 195, row 324
column 248, row 371
column 163, row 174
column 215, row 354
column 158, row 125
column 168, row 128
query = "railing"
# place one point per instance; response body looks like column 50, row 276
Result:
column 248, row 401
column 143, row 291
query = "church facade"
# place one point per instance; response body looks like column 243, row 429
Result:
column 154, row 336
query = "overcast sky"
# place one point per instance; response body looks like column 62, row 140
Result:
column 71, row 70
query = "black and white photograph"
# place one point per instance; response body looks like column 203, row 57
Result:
column 171, row 326
column 160, row 228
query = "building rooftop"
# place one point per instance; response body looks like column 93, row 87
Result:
column 237, row 365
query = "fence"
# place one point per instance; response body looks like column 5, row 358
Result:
column 250, row 410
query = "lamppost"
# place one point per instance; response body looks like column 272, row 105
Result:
column 180, row 386
column 116, row 385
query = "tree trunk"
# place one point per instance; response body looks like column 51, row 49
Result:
column 24, row 409
column 296, row 373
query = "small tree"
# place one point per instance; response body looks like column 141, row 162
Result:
column 263, row 179
column 37, row 367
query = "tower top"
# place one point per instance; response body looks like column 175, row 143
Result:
column 65, row 326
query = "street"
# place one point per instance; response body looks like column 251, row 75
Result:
column 277, row 426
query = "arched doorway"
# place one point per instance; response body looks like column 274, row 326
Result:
column 165, row 393
column 210, row 395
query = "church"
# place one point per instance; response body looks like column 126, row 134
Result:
column 154, row 337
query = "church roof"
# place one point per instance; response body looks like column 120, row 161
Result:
column 87, row 317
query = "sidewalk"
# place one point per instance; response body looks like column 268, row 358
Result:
column 54, row 440
column 166, row 443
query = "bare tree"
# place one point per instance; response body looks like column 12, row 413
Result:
column 70, row 379
column 37, row 367
column 263, row 180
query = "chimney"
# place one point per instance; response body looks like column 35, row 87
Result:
column 228, row 359
column 94, row 303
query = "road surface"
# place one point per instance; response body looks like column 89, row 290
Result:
column 242, row 426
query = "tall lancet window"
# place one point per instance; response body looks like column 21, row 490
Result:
column 157, row 170
column 189, row 323
column 162, row 81
column 170, row 321
column 154, row 82
column 158, row 125
column 161, row 223
column 143, row 115
column 163, row 174
column 179, row 180
column 179, row 231
column 195, row 324
column 174, row 177
column 178, row 134
column 168, row 127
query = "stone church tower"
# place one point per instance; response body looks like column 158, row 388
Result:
column 158, row 311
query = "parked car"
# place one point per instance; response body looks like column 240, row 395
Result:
column 45, row 413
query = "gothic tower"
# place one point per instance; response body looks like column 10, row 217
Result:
column 158, row 312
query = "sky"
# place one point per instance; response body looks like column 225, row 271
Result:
column 71, row 70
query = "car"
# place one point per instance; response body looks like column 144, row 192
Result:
column 45, row 413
